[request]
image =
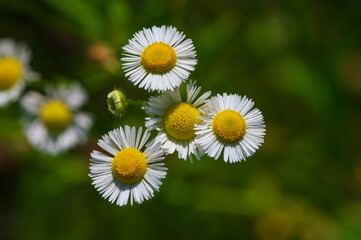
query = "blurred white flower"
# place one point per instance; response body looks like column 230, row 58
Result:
column 14, row 70
column 56, row 124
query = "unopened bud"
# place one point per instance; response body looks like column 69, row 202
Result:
column 116, row 102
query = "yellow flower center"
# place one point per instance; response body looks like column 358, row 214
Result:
column 229, row 126
column 129, row 166
column 158, row 58
column 179, row 120
column 56, row 115
column 10, row 73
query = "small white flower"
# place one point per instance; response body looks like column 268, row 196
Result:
column 159, row 58
column 133, row 171
column 229, row 124
column 175, row 120
column 14, row 70
column 56, row 124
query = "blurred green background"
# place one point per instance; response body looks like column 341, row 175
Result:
column 300, row 61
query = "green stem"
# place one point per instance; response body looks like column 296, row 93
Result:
column 136, row 103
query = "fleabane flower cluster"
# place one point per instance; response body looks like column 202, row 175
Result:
column 52, row 122
column 161, row 59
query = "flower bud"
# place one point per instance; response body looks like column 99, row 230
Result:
column 116, row 102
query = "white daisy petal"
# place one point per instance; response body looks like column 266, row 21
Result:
column 119, row 183
column 231, row 126
column 160, row 108
column 158, row 58
column 14, row 70
column 55, row 126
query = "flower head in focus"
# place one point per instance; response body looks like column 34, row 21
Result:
column 159, row 58
column 231, row 126
column 175, row 120
column 133, row 169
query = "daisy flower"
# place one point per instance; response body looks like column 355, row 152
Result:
column 159, row 58
column 230, row 125
column 56, row 124
column 132, row 171
column 175, row 120
column 14, row 70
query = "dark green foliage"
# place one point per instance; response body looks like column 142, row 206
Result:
column 300, row 61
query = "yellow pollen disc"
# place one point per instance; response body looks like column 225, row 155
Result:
column 10, row 73
column 56, row 115
column 179, row 120
column 129, row 166
column 229, row 126
column 158, row 58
